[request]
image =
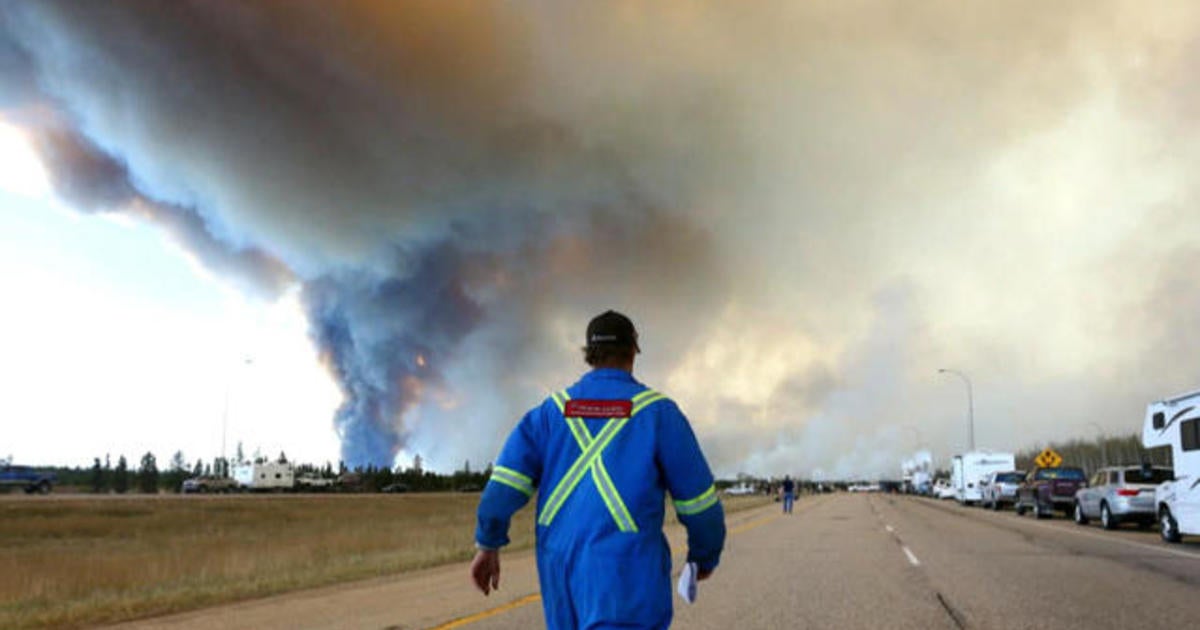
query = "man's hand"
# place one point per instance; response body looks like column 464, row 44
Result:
column 702, row 575
column 485, row 570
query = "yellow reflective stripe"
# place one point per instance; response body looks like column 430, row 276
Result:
column 590, row 459
column 513, row 479
column 600, row 477
column 612, row 498
column 579, row 430
column 512, row 484
column 575, row 474
column 560, row 399
column 513, row 473
column 638, row 398
column 694, row 506
column 604, row 483
column 649, row 400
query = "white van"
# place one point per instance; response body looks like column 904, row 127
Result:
column 1175, row 422
column 968, row 471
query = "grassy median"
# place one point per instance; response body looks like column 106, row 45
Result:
column 76, row 561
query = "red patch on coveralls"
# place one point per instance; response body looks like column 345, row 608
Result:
column 598, row 408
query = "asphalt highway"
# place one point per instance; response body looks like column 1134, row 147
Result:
column 839, row 561
column 880, row 561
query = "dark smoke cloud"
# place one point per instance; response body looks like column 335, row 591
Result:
column 807, row 209
column 381, row 347
column 93, row 181
column 382, row 155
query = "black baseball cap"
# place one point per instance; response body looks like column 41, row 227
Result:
column 612, row 328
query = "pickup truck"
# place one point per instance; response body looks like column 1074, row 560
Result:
column 204, row 485
column 27, row 479
column 1047, row 489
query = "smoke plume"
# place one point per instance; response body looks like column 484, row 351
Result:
column 806, row 209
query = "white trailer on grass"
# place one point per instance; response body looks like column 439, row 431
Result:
column 968, row 470
column 264, row 476
column 1175, row 422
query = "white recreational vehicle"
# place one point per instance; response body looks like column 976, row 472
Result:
column 1175, row 422
column 918, row 473
column 264, row 476
column 968, row 470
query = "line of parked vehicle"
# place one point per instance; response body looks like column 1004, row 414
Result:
column 1114, row 495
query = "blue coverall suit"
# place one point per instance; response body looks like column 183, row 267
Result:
column 603, row 561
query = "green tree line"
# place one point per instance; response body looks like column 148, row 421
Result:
column 105, row 476
column 1091, row 455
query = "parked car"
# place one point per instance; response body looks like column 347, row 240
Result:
column 395, row 488
column 741, row 489
column 1001, row 487
column 942, row 489
column 204, row 485
column 1120, row 494
column 1047, row 489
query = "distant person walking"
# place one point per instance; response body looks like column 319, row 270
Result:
column 789, row 494
column 601, row 455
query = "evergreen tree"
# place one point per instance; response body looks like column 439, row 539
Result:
column 148, row 474
column 121, row 476
column 198, row 469
column 97, row 477
column 173, row 479
column 178, row 463
column 241, row 454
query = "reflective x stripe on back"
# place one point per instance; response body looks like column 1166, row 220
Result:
column 591, row 448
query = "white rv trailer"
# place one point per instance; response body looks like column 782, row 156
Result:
column 968, row 470
column 1175, row 422
column 918, row 472
column 264, row 476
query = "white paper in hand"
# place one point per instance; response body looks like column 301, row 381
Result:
column 687, row 583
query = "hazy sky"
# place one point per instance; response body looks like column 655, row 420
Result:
column 407, row 213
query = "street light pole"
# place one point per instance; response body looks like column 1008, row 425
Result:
column 970, row 406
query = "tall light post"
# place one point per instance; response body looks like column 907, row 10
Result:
column 970, row 406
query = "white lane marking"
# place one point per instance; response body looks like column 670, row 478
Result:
column 1078, row 532
column 911, row 558
column 889, row 528
column 1174, row 552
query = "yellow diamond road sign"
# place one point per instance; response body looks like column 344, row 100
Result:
column 1048, row 459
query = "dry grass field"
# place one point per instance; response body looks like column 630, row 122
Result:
column 68, row 562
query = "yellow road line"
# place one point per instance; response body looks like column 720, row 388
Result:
column 537, row 597
column 458, row 623
column 744, row 527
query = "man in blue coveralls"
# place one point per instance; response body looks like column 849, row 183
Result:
column 601, row 455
